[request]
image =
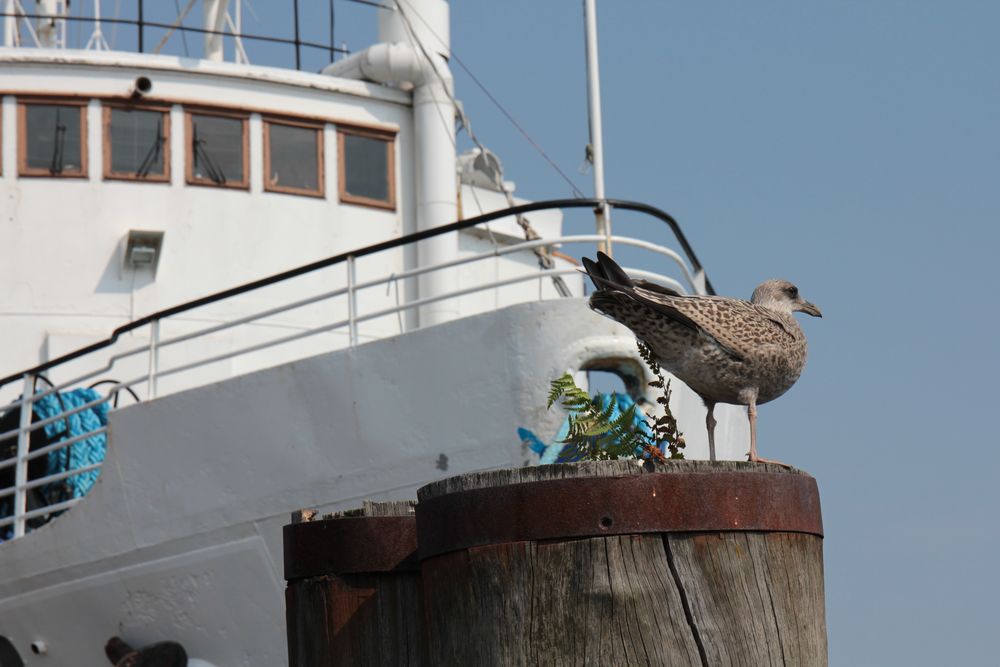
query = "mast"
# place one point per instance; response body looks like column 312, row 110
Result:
column 602, row 215
column 214, row 12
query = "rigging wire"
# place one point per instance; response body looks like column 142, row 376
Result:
column 333, row 24
column 372, row 3
column 545, row 260
column 58, row 145
column 184, row 39
column 153, row 154
column 496, row 102
column 178, row 21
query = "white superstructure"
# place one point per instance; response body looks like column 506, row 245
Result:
column 132, row 185
column 215, row 235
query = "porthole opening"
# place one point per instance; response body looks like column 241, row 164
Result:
column 9, row 657
column 622, row 376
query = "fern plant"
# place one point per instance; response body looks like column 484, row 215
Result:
column 665, row 427
column 595, row 433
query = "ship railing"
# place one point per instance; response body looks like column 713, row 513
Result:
column 22, row 506
column 22, row 20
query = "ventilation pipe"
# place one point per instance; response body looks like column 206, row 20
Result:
column 215, row 21
column 10, row 34
column 399, row 60
column 51, row 22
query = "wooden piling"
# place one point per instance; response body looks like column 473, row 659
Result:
column 353, row 594
column 609, row 563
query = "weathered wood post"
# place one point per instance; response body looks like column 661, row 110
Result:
column 353, row 595
column 608, row 563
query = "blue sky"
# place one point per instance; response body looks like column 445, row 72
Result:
column 853, row 148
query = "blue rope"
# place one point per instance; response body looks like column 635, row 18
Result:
column 553, row 452
column 80, row 454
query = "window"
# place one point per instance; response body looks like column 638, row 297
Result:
column 52, row 138
column 136, row 144
column 293, row 157
column 367, row 171
column 217, row 150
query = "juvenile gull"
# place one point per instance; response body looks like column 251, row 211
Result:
column 727, row 350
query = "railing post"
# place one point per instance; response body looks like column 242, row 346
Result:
column 140, row 25
column 21, row 471
column 298, row 42
column 154, row 357
column 352, row 305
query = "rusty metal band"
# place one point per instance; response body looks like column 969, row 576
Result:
column 351, row 545
column 596, row 506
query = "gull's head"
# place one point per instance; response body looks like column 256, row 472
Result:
column 783, row 296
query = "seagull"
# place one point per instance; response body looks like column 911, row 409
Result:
column 726, row 350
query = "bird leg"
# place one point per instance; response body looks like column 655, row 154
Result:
column 710, row 423
column 752, row 416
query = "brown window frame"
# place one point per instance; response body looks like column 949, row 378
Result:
column 384, row 135
column 189, row 176
column 320, row 128
column 22, row 136
column 106, row 140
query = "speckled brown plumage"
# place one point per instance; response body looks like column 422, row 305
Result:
column 727, row 350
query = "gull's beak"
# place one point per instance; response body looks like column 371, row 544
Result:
column 809, row 309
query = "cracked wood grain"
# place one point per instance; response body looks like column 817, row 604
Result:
column 756, row 599
column 639, row 599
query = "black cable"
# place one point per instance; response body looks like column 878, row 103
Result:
column 534, row 144
column 372, row 3
column 183, row 32
column 117, row 391
column 153, row 153
column 58, row 143
column 333, row 54
column 213, row 171
column 184, row 29
column 298, row 54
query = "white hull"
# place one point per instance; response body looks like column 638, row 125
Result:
column 181, row 538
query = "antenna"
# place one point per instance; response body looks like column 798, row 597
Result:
column 97, row 41
column 236, row 28
column 51, row 23
column 11, row 34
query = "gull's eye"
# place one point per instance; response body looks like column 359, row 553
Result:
column 792, row 291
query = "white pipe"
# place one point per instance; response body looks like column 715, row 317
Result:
column 434, row 123
column 237, row 28
column 429, row 24
column 383, row 63
column 10, row 37
column 47, row 23
column 413, row 51
column 602, row 215
column 214, row 13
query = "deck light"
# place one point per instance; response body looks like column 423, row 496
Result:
column 142, row 249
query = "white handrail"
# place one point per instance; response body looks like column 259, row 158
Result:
column 21, row 471
column 112, row 360
column 155, row 344
column 41, row 511
column 62, row 444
